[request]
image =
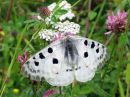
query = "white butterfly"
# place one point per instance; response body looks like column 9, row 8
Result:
column 63, row 61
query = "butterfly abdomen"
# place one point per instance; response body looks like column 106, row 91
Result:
column 71, row 52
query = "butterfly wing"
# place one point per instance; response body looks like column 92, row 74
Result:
column 91, row 56
column 49, row 64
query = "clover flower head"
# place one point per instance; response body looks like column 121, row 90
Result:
column 67, row 27
column 23, row 58
column 50, row 92
column 45, row 11
column 116, row 23
column 46, row 34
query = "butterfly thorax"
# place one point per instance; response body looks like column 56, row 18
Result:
column 71, row 52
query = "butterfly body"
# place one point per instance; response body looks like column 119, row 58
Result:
column 63, row 61
column 71, row 52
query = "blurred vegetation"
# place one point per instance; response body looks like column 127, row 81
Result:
column 113, row 80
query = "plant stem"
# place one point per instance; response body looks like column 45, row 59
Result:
column 60, row 90
column 75, row 3
column 9, row 10
column 127, row 91
column 121, row 90
column 12, row 62
column 109, row 40
column 99, row 14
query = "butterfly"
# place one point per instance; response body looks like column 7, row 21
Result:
column 66, row 60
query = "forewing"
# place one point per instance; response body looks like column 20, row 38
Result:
column 91, row 55
column 49, row 64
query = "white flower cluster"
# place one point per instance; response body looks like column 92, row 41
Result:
column 48, row 20
column 47, row 34
column 65, row 6
column 60, row 28
column 67, row 27
column 68, row 15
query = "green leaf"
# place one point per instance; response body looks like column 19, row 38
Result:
column 121, row 90
column 86, row 89
column 92, row 15
column 122, row 40
column 29, row 21
column 98, row 90
column 60, row 12
column 128, row 73
column 29, row 44
column 54, row 18
column 76, row 90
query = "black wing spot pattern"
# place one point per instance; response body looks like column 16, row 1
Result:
column 50, row 50
column 92, row 45
column 86, row 42
column 78, row 68
column 38, row 78
column 57, row 73
column 41, row 56
column 55, row 61
column 67, row 70
column 101, row 56
column 36, row 63
column 34, row 58
column 85, row 54
column 97, row 50
column 42, row 78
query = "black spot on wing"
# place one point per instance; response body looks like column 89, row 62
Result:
column 67, row 70
column 103, row 46
column 97, row 50
column 77, row 68
column 92, row 45
column 57, row 73
column 42, row 78
column 86, row 42
column 36, row 63
column 85, row 54
column 55, row 61
column 38, row 78
column 50, row 50
column 41, row 56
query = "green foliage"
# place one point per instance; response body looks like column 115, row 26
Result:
column 92, row 15
column 128, row 73
column 121, row 90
